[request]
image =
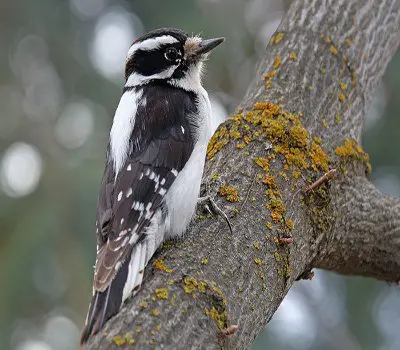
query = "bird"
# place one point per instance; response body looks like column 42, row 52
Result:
column 154, row 164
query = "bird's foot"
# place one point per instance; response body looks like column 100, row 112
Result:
column 213, row 208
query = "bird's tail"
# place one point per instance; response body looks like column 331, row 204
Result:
column 106, row 304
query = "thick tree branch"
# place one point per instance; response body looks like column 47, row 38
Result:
column 366, row 239
column 322, row 66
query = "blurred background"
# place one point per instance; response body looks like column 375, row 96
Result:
column 61, row 79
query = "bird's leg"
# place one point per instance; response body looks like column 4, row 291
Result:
column 209, row 204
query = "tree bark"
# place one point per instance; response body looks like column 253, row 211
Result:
column 302, row 115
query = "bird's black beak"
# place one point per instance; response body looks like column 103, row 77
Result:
column 207, row 45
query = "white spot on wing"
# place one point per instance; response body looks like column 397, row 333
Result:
column 183, row 129
column 122, row 221
column 162, row 191
column 129, row 192
column 129, row 167
column 174, row 172
column 119, row 196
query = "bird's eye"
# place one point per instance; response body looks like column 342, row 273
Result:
column 172, row 54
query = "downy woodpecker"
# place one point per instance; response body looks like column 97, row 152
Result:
column 154, row 164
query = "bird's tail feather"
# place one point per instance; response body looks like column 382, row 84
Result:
column 106, row 304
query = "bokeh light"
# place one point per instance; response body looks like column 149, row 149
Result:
column 113, row 34
column 20, row 169
column 75, row 124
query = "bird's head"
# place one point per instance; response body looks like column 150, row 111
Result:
column 170, row 55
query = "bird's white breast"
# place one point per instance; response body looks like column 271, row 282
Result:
column 181, row 199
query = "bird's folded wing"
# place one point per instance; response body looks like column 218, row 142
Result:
column 136, row 196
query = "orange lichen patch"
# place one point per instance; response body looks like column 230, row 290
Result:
column 337, row 118
column 299, row 135
column 277, row 209
column 220, row 317
column 269, row 180
column 270, row 74
column 234, row 130
column 343, row 86
column 277, row 61
column 283, row 176
column 268, row 78
column 328, row 39
column 351, row 149
column 218, row 140
column 262, row 162
column 349, row 42
column 296, row 173
column 291, row 144
column 230, row 193
column 269, row 225
column 160, row 265
column 276, row 39
column 333, row 49
column 318, row 157
column 276, row 128
column 268, row 108
column 341, row 97
column 289, row 224
column 192, row 285
column 324, row 123
column 295, row 156
column 293, row 56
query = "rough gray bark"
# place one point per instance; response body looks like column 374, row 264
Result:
column 341, row 50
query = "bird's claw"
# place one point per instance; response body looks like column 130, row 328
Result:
column 213, row 208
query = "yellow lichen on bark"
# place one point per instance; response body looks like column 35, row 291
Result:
column 351, row 149
column 160, row 265
column 277, row 38
column 230, row 193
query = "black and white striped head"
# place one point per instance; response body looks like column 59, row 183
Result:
column 170, row 55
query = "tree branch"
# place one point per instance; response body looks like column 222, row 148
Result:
column 323, row 65
column 366, row 238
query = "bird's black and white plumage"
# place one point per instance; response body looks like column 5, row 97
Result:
column 154, row 164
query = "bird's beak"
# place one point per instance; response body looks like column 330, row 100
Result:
column 207, row 45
